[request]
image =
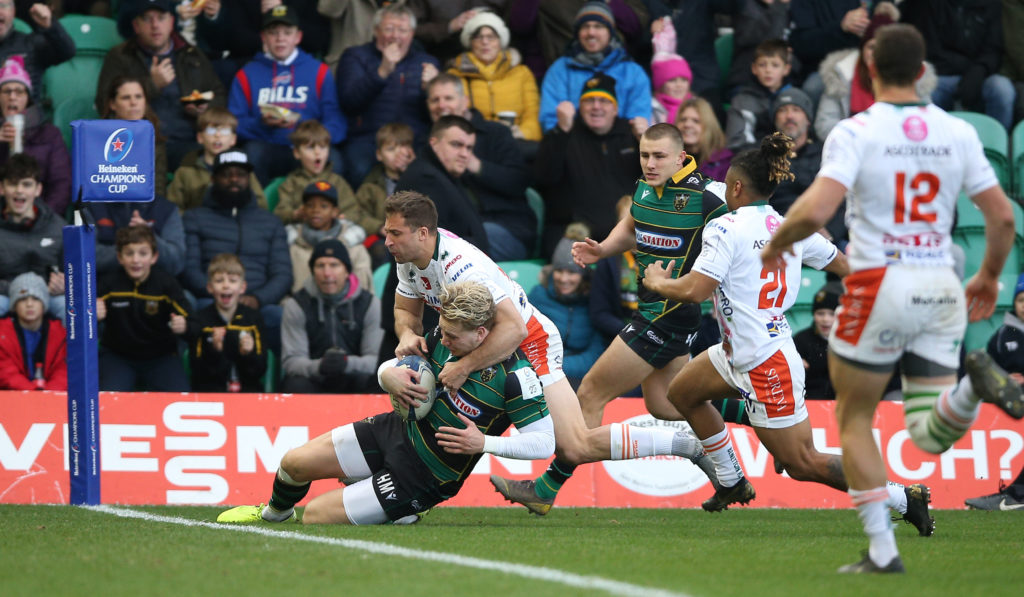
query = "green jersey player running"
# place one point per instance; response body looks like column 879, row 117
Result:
column 670, row 207
column 396, row 468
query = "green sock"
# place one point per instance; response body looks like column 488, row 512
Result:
column 285, row 494
column 732, row 410
column 548, row 484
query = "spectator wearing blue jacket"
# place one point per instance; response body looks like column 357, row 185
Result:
column 380, row 82
column 563, row 297
column 279, row 89
column 231, row 221
column 596, row 49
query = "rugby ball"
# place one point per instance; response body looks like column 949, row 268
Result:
column 427, row 382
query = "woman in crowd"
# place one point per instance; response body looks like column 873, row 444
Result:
column 703, row 137
column 127, row 98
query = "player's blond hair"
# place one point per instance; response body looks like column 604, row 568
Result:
column 469, row 304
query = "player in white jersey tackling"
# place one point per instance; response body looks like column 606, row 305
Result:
column 903, row 163
column 757, row 356
column 430, row 258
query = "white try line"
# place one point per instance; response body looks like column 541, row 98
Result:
column 535, row 572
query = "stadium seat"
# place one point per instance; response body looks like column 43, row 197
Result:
column 380, row 278
column 973, row 243
column 22, row 26
column 723, row 54
column 1017, row 149
column 799, row 317
column 995, row 141
column 810, row 281
column 526, row 273
column 271, row 192
column 75, row 108
column 968, row 216
column 536, row 203
column 75, row 78
column 93, row 36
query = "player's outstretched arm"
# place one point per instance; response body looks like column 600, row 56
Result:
column 620, row 239
column 839, row 266
column 811, row 211
column 694, row 287
column 535, row 441
column 409, row 326
column 508, row 333
column 982, row 289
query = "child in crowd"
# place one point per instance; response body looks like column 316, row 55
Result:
column 216, row 133
column 1006, row 344
column 226, row 349
column 138, row 341
column 32, row 344
column 320, row 221
column 31, row 236
column 670, row 76
column 311, row 144
column 750, row 116
column 394, row 154
column 812, row 342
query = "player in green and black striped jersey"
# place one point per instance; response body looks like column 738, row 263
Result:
column 397, row 469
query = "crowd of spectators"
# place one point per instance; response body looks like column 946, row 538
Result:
column 333, row 105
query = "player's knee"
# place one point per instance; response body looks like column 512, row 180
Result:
column 592, row 394
column 573, row 452
column 314, row 513
column 292, row 465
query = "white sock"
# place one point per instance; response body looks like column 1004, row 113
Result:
column 897, row 497
column 686, row 444
column 271, row 515
column 872, row 510
column 630, row 441
column 727, row 466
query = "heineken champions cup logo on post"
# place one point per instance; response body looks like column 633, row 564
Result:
column 113, row 160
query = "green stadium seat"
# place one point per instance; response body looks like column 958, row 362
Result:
column 526, row 273
column 799, row 317
column 92, row 35
column 271, row 192
column 75, row 108
column 995, row 141
column 1017, row 149
column 536, row 203
column 968, row 216
column 973, row 243
column 75, row 78
column 723, row 55
column 811, row 280
column 380, row 278
column 22, row 26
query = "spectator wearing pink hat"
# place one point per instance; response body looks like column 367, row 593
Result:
column 670, row 76
column 39, row 139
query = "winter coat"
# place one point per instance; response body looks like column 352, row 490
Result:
column 194, row 176
column 192, row 71
column 370, row 196
column 289, row 194
column 814, row 349
column 960, row 35
column 837, row 71
column 504, row 85
column 50, row 352
column 35, row 247
column 211, row 369
column 750, row 116
column 138, row 314
column 565, row 78
column 351, row 24
column 370, row 102
column 309, row 327
column 816, row 30
column 158, row 213
column 304, row 85
column 44, row 142
column 582, row 343
column 41, row 49
column 255, row 235
column 300, row 251
column 1007, row 345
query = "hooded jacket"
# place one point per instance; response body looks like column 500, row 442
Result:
column 249, row 231
column 303, row 85
column 41, row 49
column 30, row 247
column 313, row 323
column 50, row 352
column 503, row 85
column 571, row 315
column 565, row 78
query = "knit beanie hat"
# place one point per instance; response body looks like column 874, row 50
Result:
column 14, row 70
column 669, row 66
column 599, row 85
column 827, row 297
column 595, row 10
column 26, row 285
column 797, row 97
column 1020, row 286
column 331, row 247
column 562, row 257
column 484, row 19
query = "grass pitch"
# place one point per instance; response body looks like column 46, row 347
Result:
column 51, row 550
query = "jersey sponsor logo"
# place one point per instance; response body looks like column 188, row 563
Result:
column 915, row 128
column 925, row 239
column 693, row 180
column 777, row 326
column 529, row 383
column 658, row 241
column 680, row 200
column 918, row 151
column 426, row 283
column 760, row 244
column 461, row 271
column 655, row 338
column 926, row 299
column 386, row 486
column 461, row 405
column 452, row 262
column 771, row 223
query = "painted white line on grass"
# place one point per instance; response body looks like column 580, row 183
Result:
column 536, row 572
